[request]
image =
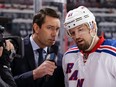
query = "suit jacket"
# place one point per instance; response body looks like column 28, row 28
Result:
column 22, row 71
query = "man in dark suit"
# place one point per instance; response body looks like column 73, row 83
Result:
column 6, row 78
column 27, row 72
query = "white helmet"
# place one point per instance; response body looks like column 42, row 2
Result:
column 78, row 16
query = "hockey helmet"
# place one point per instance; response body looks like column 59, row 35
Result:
column 78, row 16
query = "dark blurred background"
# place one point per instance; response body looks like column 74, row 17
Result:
column 16, row 16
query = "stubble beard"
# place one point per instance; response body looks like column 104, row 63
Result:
column 84, row 46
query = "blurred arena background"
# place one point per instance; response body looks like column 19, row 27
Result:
column 16, row 16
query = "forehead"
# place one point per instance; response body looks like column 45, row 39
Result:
column 85, row 26
column 52, row 20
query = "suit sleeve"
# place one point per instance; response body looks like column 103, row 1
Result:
column 22, row 74
column 24, row 79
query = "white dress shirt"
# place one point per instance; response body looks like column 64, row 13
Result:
column 36, row 54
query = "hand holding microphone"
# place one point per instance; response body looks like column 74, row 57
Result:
column 48, row 66
column 52, row 56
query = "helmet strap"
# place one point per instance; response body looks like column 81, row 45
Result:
column 92, row 42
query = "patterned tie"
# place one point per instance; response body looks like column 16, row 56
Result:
column 40, row 59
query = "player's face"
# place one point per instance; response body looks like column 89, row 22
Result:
column 81, row 36
column 47, row 34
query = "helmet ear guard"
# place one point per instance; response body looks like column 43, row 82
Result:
column 91, row 25
column 93, row 29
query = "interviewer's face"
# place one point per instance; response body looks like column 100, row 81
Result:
column 48, row 33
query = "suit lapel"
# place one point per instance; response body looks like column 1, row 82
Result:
column 29, row 55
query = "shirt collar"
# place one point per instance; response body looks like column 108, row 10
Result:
column 35, row 46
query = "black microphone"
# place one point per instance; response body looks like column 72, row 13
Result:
column 52, row 53
column 53, row 49
column 52, row 56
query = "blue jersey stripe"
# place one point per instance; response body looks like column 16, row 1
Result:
column 110, row 42
column 106, row 51
column 74, row 51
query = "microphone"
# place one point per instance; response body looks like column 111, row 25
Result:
column 52, row 53
column 53, row 49
column 52, row 56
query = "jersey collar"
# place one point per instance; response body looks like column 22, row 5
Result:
column 101, row 40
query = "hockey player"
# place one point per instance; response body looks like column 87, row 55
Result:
column 92, row 63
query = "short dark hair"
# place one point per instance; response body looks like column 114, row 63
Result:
column 39, row 18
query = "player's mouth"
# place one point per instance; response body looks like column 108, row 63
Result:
column 80, row 42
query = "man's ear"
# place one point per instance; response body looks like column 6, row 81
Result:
column 36, row 27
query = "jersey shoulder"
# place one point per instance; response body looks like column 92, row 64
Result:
column 109, row 47
column 73, row 49
column 110, row 42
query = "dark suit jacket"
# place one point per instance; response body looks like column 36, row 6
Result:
column 22, row 71
column 6, row 78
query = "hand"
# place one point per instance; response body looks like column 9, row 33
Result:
column 5, row 52
column 9, row 46
column 46, row 68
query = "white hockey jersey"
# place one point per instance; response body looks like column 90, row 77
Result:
column 98, row 71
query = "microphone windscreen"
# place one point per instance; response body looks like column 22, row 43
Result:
column 53, row 49
column 51, row 57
